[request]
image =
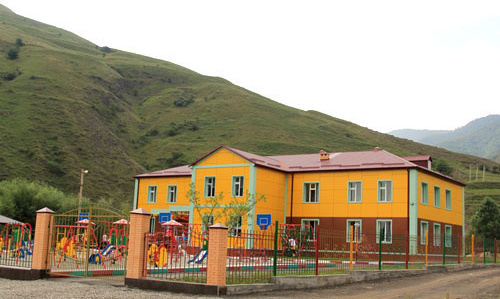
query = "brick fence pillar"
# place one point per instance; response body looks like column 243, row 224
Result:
column 43, row 228
column 136, row 260
column 217, row 254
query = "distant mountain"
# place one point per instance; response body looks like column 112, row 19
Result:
column 418, row 135
column 480, row 137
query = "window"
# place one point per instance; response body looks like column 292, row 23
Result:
column 385, row 191
column 172, row 193
column 386, row 227
column 448, row 200
column 209, row 186
column 313, row 223
column 236, row 223
column 152, row 224
column 447, row 235
column 354, row 192
column 356, row 229
column 311, row 192
column 425, row 194
column 152, row 194
column 437, row 235
column 238, row 182
column 424, row 227
column 437, row 196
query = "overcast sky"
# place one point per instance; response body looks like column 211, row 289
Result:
column 384, row 65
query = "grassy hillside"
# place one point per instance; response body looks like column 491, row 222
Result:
column 74, row 104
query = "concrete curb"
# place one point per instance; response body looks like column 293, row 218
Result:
column 324, row 281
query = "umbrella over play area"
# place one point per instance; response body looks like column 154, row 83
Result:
column 121, row 222
column 171, row 223
column 7, row 220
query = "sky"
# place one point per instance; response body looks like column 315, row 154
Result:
column 384, row 65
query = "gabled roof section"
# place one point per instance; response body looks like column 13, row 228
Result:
column 175, row 171
column 253, row 158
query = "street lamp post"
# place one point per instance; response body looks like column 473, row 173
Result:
column 82, row 173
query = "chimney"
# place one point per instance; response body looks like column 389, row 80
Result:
column 323, row 155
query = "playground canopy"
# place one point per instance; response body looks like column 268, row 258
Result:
column 7, row 220
column 171, row 223
column 121, row 222
column 85, row 221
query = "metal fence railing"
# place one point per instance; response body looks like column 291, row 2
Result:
column 178, row 252
column 16, row 245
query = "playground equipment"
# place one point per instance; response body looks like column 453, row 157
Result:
column 15, row 241
column 298, row 236
column 203, row 252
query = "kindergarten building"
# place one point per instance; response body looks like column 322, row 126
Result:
column 373, row 190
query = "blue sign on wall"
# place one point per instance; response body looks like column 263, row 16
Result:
column 264, row 221
column 83, row 216
column 164, row 217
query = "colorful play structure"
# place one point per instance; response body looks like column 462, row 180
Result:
column 175, row 244
column 16, row 241
column 80, row 241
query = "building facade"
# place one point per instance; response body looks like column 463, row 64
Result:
column 371, row 190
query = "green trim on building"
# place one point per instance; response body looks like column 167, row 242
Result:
column 224, row 166
column 252, row 191
column 136, row 193
column 413, row 208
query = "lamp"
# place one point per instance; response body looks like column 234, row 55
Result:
column 82, row 173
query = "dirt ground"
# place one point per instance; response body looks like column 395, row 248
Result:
column 480, row 283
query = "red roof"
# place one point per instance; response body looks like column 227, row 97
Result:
column 175, row 171
column 362, row 160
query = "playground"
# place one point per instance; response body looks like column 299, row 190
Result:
column 16, row 244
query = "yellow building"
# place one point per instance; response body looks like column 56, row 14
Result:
column 374, row 190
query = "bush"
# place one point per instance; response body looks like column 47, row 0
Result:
column 13, row 53
column 9, row 76
column 19, row 42
column 183, row 102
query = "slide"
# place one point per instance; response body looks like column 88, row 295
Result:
column 199, row 257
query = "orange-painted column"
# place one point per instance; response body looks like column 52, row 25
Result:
column 136, row 259
column 41, row 246
column 217, row 255
column 472, row 251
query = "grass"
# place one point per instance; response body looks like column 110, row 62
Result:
column 71, row 107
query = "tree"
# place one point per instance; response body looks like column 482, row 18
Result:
column 20, row 199
column 12, row 54
column 486, row 219
column 442, row 166
column 212, row 209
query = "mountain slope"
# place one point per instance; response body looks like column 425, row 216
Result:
column 73, row 104
column 480, row 137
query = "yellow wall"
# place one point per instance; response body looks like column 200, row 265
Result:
column 222, row 157
column 441, row 214
column 182, row 183
column 333, row 194
column 272, row 184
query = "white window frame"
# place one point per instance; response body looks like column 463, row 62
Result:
column 436, row 234
column 314, row 226
column 448, row 236
column 386, row 236
column 238, row 186
column 447, row 199
column 171, row 193
column 152, row 193
column 311, row 192
column 352, row 188
column 422, row 231
column 356, row 235
column 424, row 193
column 385, row 186
column 209, row 190
column 437, row 196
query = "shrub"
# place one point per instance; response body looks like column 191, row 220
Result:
column 13, row 53
column 9, row 76
column 19, row 42
column 183, row 102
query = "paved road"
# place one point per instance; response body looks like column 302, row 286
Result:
column 481, row 283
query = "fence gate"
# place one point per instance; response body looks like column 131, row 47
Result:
column 89, row 241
